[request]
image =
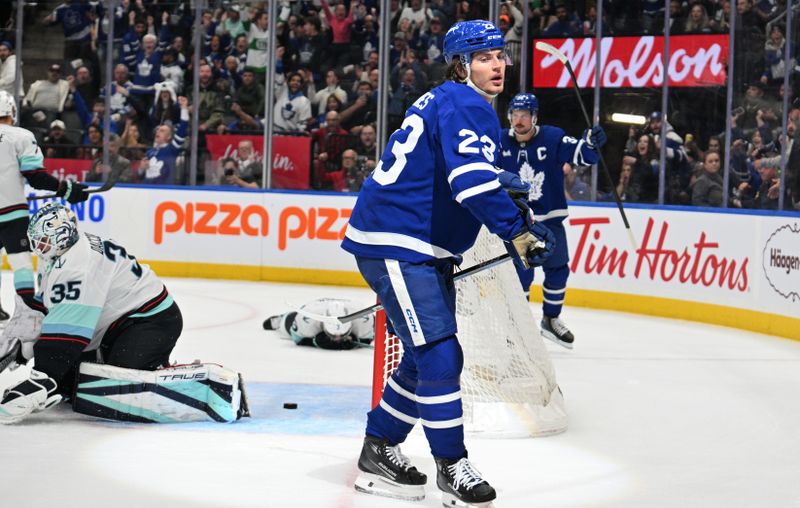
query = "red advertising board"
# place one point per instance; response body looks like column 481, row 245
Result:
column 74, row 169
column 291, row 157
column 635, row 62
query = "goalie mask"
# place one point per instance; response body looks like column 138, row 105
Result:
column 52, row 231
column 337, row 331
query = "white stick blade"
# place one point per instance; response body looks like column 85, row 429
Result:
column 552, row 50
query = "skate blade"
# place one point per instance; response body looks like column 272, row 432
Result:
column 451, row 501
column 373, row 484
column 552, row 338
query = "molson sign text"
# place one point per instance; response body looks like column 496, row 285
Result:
column 635, row 62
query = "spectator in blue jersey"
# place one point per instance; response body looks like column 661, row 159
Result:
column 120, row 106
column 537, row 153
column 159, row 165
column 416, row 214
column 94, row 118
column 75, row 18
column 147, row 69
column 132, row 40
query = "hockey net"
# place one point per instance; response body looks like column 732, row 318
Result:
column 508, row 384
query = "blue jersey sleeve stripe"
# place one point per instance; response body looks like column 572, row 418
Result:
column 474, row 166
column 397, row 240
column 478, row 189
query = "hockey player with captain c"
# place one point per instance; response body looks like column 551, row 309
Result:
column 421, row 208
column 537, row 154
column 109, row 323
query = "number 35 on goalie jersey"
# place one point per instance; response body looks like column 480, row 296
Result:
column 92, row 285
column 435, row 183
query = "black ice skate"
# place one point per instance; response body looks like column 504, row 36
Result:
column 461, row 484
column 385, row 471
column 553, row 328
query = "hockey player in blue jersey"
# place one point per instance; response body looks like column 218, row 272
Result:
column 419, row 210
column 537, row 153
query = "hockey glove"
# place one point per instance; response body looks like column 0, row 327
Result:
column 28, row 396
column 533, row 244
column 73, row 192
column 595, row 137
column 514, row 185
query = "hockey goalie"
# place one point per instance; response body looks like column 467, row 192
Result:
column 100, row 338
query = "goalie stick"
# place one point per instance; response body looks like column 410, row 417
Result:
column 484, row 265
column 106, row 186
column 10, row 357
column 561, row 57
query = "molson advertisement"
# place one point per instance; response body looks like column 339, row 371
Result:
column 634, row 62
column 724, row 267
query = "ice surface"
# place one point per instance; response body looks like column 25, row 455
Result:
column 663, row 414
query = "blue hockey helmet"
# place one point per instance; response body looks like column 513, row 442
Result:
column 467, row 37
column 524, row 101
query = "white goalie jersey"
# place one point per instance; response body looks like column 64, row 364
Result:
column 93, row 285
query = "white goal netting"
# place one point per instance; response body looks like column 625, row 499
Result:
column 508, row 383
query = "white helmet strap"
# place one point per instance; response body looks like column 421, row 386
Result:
column 468, row 79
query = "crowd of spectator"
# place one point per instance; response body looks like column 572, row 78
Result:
column 326, row 87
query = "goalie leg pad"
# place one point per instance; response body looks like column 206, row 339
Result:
column 185, row 393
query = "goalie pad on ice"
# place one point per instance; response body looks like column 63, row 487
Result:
column 186, row 393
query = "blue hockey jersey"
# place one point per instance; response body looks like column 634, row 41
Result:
column 435, row 183
column 539, row 162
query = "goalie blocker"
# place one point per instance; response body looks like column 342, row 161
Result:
column 184, row 393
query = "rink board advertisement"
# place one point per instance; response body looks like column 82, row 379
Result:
column 726, row 268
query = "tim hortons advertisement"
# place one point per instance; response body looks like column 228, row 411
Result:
column 291, row 157
column 736, row 260
column 634, row 62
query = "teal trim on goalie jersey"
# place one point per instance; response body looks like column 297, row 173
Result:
column 30, row 162
column 127, row 408
column 168, row 301
column 16, row 214
column 23, row 278
column 72, row 319
column 203, row 393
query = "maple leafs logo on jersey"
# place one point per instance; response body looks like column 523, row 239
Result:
column 536, row 180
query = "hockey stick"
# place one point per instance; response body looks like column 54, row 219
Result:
column 106, row 186
column 561, row 57
column 483, row 265
column 10, row 357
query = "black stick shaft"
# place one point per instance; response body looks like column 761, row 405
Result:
column 589, row 124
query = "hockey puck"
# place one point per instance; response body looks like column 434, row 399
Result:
column 289, row 405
